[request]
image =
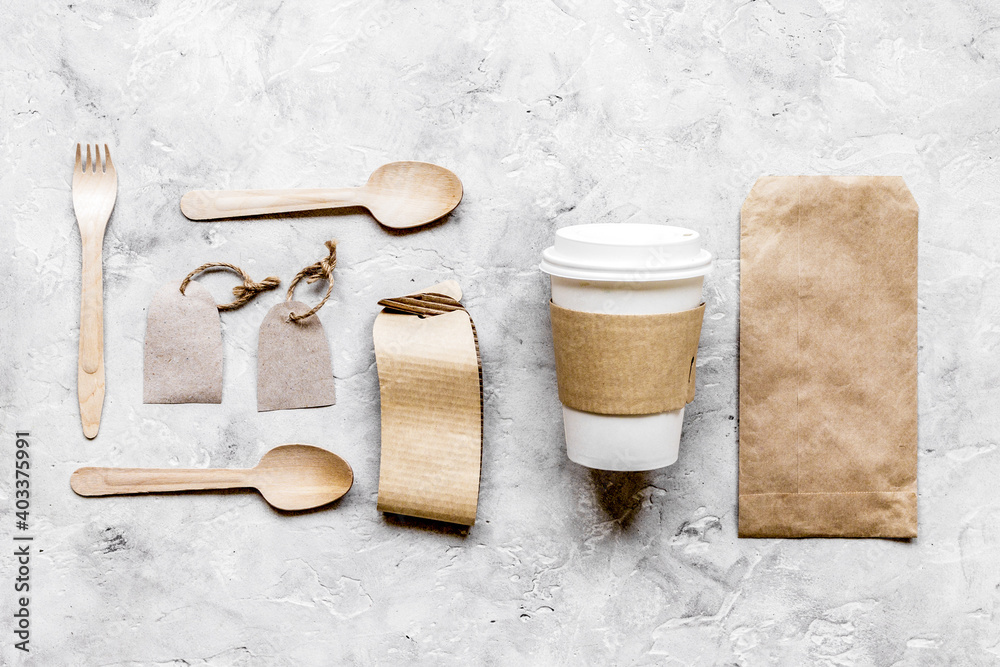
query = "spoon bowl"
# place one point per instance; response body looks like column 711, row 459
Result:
column 298, row 477
column 409, row 194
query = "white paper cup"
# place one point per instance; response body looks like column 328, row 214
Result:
column 625, row 269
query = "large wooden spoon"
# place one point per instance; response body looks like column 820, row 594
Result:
column 290, row 477
column 398, row 194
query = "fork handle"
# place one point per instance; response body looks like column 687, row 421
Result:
column 216, row 204
column 90, row 372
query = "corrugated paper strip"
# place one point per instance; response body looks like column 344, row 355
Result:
column 828, row 358
column 625, row 364
column 432, row 408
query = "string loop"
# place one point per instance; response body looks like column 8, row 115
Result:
column 244, row 293
column 321, row 270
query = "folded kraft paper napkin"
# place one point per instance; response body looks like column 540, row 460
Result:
column 828, row 358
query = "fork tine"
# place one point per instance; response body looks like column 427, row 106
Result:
column 97, row 161
column 86, row 165
column 108, row 165
column 78, row 166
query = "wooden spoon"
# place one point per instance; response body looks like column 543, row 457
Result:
column 290, row 477
column 398, row 194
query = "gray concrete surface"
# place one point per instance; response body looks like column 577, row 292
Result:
column 553, row 113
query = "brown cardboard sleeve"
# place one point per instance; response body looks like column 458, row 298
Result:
column 828, row 358
column 431, row 395
column 625, row 364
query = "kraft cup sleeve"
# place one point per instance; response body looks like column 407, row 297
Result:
column 625, row 364
column 828, row 358
column 431, row 396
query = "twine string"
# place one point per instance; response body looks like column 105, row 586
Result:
column 244, row 293
column 321, row 270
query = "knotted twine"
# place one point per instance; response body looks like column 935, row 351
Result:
column 244, row 293
column 321, row 270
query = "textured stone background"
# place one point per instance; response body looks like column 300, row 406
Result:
column 553, row 113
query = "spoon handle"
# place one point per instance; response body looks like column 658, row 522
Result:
column 216, row 204
column 113, row 481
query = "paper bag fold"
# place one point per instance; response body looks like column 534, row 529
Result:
column 828, row 358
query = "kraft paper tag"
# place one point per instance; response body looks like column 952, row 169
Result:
column 625, row 364
column 293, row 361
column 431, row 393
column 828, row 358
column 182, row 361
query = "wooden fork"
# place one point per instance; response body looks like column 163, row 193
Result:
column 95, row 188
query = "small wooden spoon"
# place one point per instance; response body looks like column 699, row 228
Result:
column 290, row 477
column 398, row 194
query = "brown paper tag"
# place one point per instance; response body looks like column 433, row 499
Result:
column 625, row 364
column 182, row 360
column 828, row 358
column 293, row 361
column 431, row 394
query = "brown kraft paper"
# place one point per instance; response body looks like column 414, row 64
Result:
column 182, row 355
column 828, row 358
column 431, row 392
column 625, row 364
column 294, row 369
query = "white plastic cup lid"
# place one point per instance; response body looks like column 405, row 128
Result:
column 626, row 252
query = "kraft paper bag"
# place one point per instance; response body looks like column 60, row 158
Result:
column 431, row 388
column 828, row 358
